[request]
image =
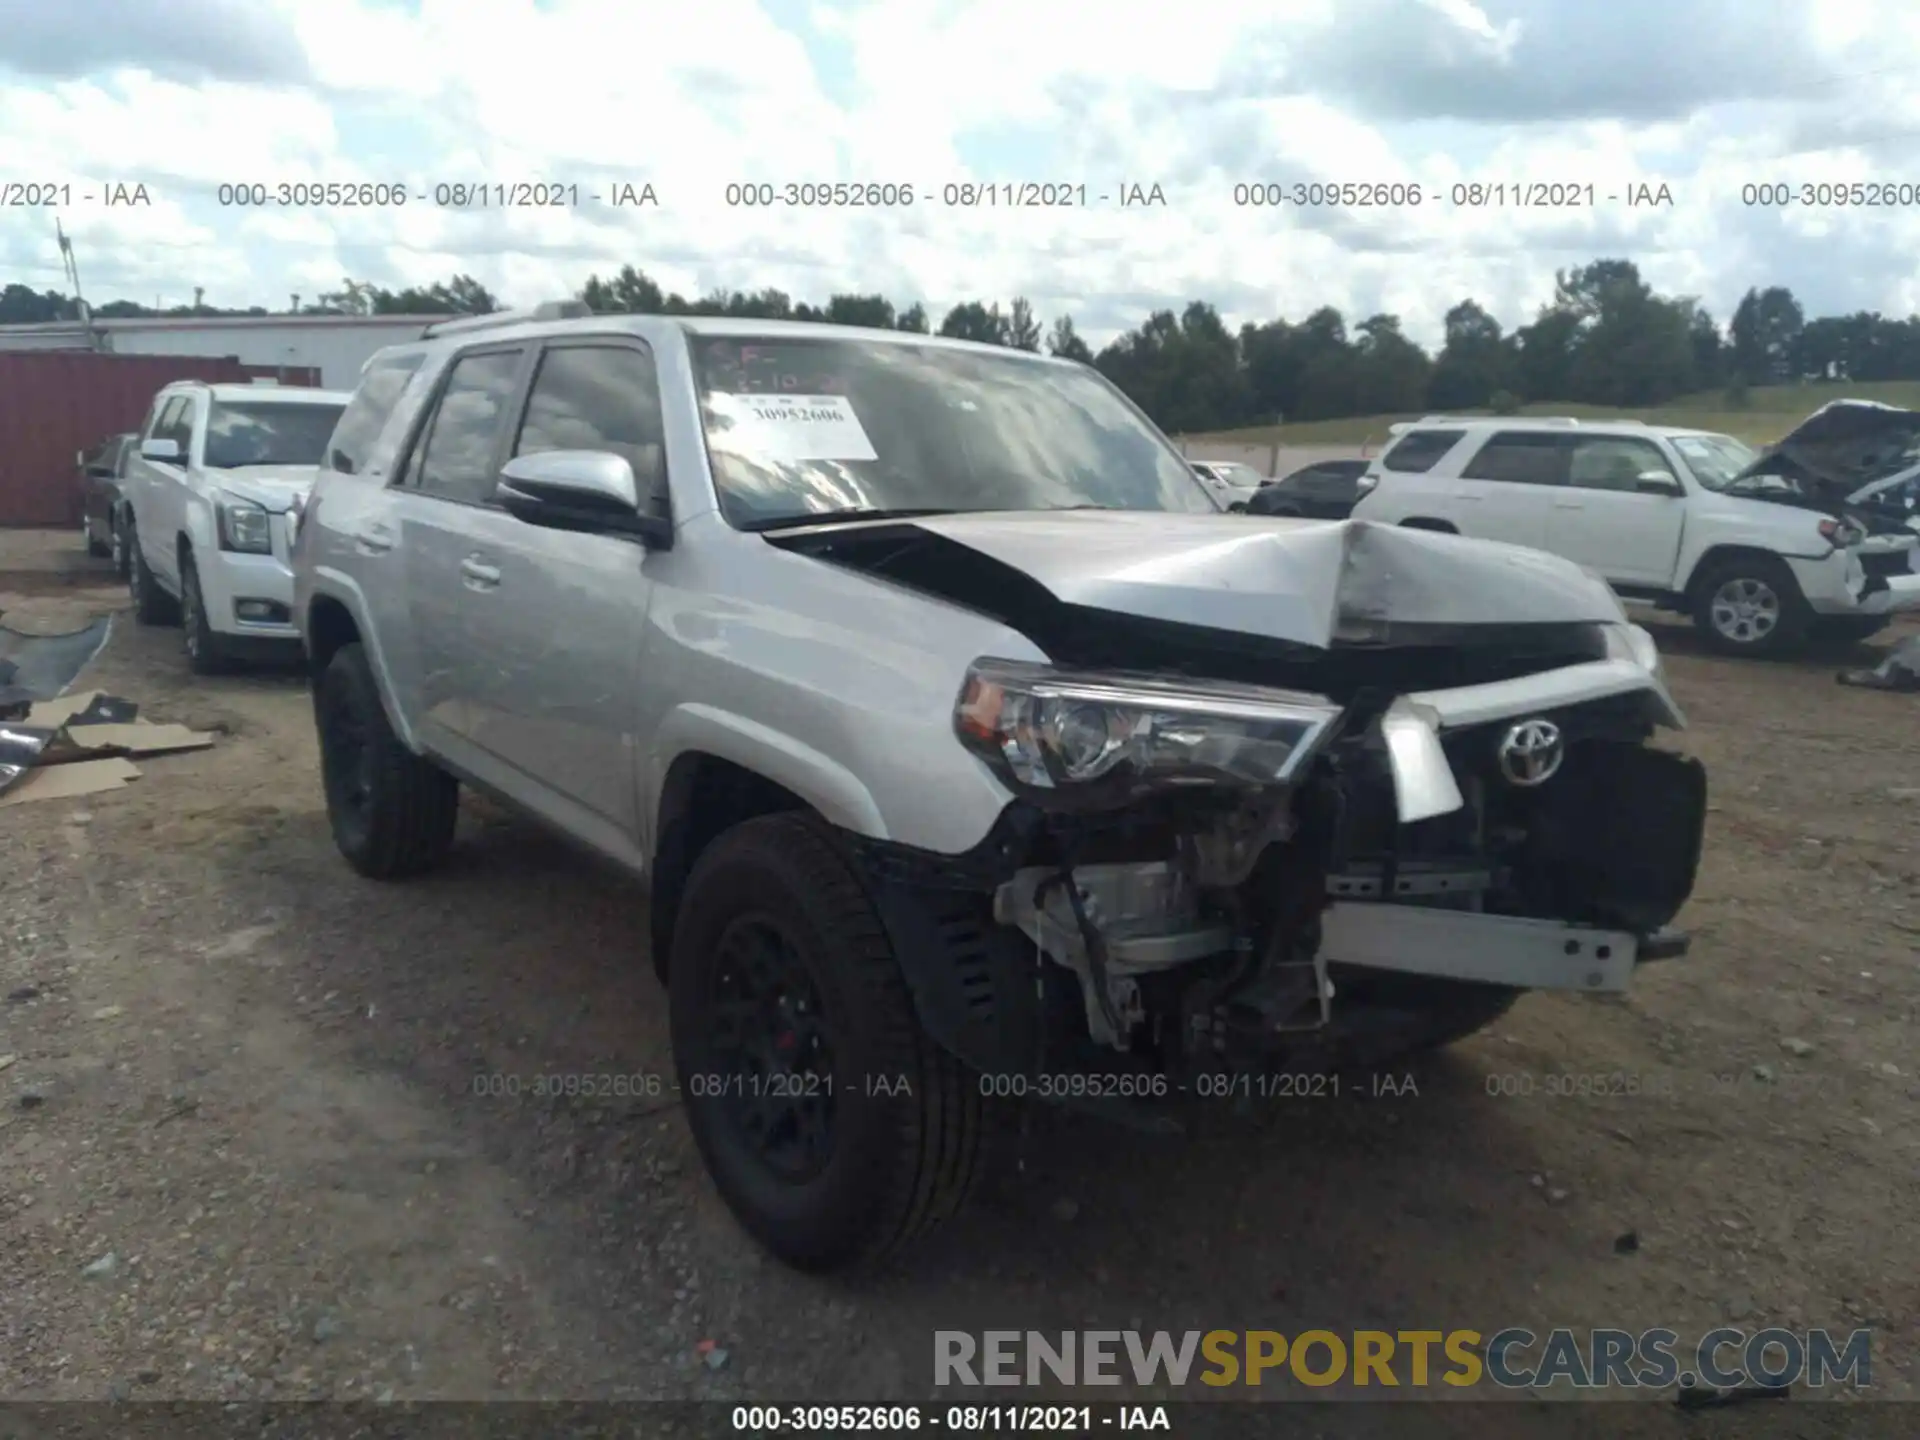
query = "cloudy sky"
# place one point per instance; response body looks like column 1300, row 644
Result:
column 1705, row 97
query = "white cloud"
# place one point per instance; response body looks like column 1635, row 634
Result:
column 923, row 92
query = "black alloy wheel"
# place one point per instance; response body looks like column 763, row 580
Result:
column 773, row 1039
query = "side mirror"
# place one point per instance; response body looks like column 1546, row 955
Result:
column 1657, row 482
column 588, row 491
column 167, row 451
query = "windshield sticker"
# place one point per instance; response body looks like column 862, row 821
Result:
column 789, row 427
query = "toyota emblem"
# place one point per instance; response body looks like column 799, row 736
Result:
column 1530, row 752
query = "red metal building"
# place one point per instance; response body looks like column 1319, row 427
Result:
column 54, row 403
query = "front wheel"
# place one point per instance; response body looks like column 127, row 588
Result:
column 392, row 812
column 205, row 654
column 96, row 547
column 833, row 1127
column 151, row 604
column 1751, row 606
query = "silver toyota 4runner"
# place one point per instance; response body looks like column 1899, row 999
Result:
column 966, row 748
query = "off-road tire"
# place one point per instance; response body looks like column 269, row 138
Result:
column 404, row 826
column 1787, row 633
column 901, row 1161
column 206, row 652
column 151, row 604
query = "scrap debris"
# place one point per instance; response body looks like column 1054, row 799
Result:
column 80, row 745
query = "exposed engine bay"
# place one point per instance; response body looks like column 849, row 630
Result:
column 1855, row 460
column 1243, row 852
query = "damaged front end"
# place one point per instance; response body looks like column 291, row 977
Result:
column 1234, row 877
column 1243, row 852
column 1857, row 461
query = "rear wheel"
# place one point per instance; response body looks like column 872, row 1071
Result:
column 392, row 812
column 1750, row 605
column 834, row 1128
column 122, row 553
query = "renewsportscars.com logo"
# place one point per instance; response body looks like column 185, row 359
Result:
column 1510, row 1359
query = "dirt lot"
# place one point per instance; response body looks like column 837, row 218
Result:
column 250, row 1079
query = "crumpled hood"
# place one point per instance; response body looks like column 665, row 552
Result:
column 272, row 487
column 1845, row 450
column 1305, row 582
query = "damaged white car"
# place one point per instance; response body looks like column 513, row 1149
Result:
column 968, row 751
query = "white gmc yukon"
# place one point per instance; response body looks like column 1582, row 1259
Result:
column 1813, row 539
column 966, row 747
column 213, row 494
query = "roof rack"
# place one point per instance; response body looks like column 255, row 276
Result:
column 548, row 310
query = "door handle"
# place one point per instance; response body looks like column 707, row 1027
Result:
column 373, row 541
column 479, row 575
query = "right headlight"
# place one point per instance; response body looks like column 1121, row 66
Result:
column 1090, row 740
column 1635, row 643
column 244, row 526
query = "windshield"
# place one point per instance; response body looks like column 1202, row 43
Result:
column 269, row 433
column 800, row 427
column 1715, row 460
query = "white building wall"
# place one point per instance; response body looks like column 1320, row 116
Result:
column 337, row 350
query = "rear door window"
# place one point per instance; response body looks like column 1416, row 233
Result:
column 1520, row 458
column 1418, row 451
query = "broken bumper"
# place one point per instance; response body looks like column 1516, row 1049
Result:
column 1424, row 783
column 1488, row 949
column 1841, row 585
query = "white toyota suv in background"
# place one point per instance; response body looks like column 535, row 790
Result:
column 214, row 491
column 1763, row 551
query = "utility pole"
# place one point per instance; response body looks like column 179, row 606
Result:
column 72, row 268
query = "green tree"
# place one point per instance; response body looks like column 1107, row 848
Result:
column 914, row 318
column 1064, row 341
column 1475, row 362
column 1765, row 330
column 973, row 321
column 1391, row 373
column 1023, row 331
column 874, row 312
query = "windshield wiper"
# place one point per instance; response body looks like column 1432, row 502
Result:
column 836, row 517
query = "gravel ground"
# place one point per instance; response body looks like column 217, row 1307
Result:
column 245, row 1151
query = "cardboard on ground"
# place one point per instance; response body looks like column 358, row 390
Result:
column 68, row 782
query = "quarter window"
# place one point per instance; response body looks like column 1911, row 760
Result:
column 1419, row 451
column 366, row 415
column 1518, row 458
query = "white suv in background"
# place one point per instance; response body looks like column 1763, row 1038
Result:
column 1686, row 520
column 214, row 491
